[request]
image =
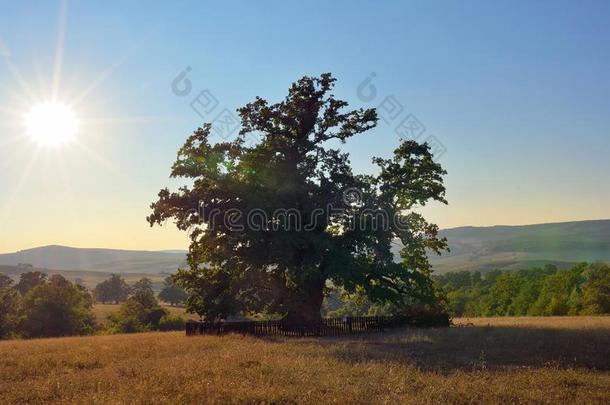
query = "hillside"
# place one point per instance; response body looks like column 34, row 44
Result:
column 512, row 247
column 87, row 278
column 98, row 260
column 472, row 248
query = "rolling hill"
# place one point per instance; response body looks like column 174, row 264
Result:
column 512, row 247
column 472, row 248
column 99, row 260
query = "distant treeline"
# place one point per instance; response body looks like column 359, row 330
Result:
column 545, row 291
column 42, row 306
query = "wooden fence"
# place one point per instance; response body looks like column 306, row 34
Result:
column 328, row 326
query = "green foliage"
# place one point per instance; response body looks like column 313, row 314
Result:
column 30, row 280
column 142, row 284
column 139, row 313
column 172, row 293
column 547, row 291
column 115, row 289
column 171, row 322
column 596, row 290
column 339, row 303
column 282, row 264
column 5, row 281
column 57, row 308
column 10, row 309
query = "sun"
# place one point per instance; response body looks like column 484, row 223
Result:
column 51, row 124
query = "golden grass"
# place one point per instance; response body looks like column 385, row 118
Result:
column 558, row 360
column 553, row 322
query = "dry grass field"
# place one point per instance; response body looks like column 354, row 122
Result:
column 508, row 360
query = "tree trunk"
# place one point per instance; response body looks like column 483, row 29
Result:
column 306, row 304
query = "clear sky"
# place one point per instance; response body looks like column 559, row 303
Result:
column 517, row 93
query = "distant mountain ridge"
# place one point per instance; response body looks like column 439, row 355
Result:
column 472, row 248
column 513, row 247
column 103, row 260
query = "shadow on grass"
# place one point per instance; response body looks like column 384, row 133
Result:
column 478, row 348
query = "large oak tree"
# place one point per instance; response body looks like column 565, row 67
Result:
column 272, row 223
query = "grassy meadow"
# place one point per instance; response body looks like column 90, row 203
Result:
column 545, row 360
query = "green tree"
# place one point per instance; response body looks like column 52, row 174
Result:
column 317, row 221
column 596, row 290
column 115, row 289
column 10, row 309
column 171, row 322
column 138, row 313
column 29, row 280
column 554, row 298
column 500, row 292
column 172, row 292
column 458, row 299
column 5, row 281
column 142, row 284
column 456, row 279
column 499, row 299
column 57, row 308
column 525, row 297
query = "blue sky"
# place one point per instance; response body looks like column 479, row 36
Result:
column 517, row 94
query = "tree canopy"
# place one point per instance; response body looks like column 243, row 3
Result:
column 274, row 221
column 546, row 291
column 172, row 292
column 115, row 289
column 139, row 313
column 10, row 308
column 29, row 280
column 57, row 308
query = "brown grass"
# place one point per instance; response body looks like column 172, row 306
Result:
column 545, row 360
column 536, row 322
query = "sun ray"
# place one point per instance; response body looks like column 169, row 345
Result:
column 10, row 140
column 19, row 97
column 97, row 81
column 67, row 188
column 11, row 197
column 108, row 71
column 10, row 111
column 95, row 156
column 136, row 119
column 25, row 88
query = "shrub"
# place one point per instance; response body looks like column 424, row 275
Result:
column 141, row 312
column 171, row 322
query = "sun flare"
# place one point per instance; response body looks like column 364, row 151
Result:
column 51, row 124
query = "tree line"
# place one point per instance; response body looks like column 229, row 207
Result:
column 42, row 306
column 542, row 291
